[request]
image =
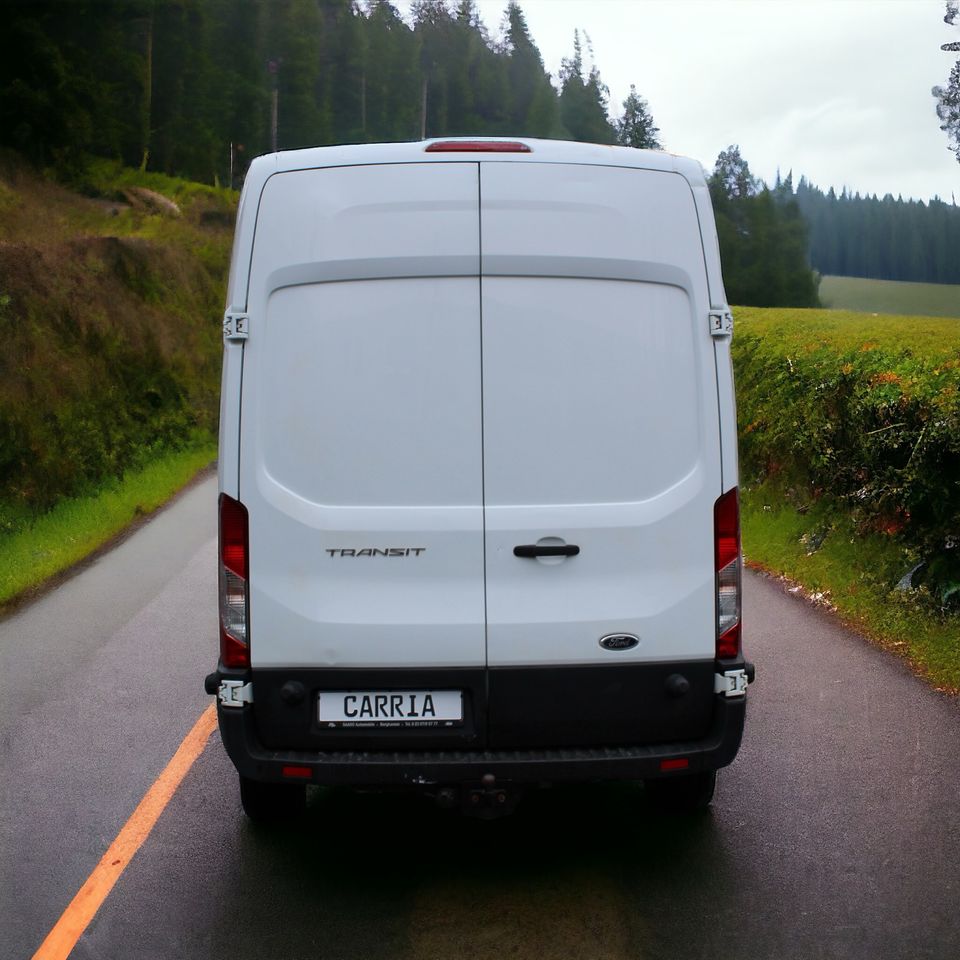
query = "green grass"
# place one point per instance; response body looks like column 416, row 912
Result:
column 75, row 528
column 107, row 176
column 890, row 296
column 853, row 572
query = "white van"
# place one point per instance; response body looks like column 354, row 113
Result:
column 478, row 475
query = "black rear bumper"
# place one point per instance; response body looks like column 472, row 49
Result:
column 424, row 768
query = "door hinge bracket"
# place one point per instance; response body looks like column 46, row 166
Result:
column 721, row 323
column 235, row 693
column 236, row 326
column 731, row 683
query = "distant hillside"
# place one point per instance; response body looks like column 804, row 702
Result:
column 110, row 307
column 889, row 296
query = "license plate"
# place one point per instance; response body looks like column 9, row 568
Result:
column 390, row 708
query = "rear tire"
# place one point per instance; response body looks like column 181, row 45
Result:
column 683, row 794
column 272, row 802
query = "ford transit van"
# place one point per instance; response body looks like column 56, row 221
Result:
column 479, row 520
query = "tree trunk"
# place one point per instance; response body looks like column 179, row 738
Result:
column 147, row 106
column 423, row 110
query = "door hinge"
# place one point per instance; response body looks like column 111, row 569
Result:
column 236, row 326
column 721, row 323
column 732, row 683
column 235, row 693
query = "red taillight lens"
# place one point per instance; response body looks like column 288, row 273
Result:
column 477, row 146
column 233, row 535
column 234, row 648
column 726, row 524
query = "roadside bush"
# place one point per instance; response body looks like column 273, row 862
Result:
column 863, row 410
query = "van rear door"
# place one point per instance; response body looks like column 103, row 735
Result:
column 360, row 460
column 601, row 433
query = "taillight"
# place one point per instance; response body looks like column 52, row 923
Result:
column 477, row 146
column 234, row 643
column 726, row 527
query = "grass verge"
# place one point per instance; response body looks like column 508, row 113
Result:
column 77, row 527
column 890, row 296
column 853, row 573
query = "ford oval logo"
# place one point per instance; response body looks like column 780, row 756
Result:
column 619, row 641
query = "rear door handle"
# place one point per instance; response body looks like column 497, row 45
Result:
column 551, row 550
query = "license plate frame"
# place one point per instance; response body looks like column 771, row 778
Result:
column 390, row 709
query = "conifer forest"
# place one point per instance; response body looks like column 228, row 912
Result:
column 197, row 88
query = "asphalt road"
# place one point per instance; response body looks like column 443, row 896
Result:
column 835, row 834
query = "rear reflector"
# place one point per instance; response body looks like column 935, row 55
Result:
column 234, row 649
column 300, row 773
column 478, row 146
column 679, row 763
column 726, row 520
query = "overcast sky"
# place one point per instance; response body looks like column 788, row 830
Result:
column 837, row 90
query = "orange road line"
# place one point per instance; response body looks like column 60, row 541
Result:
column 84, row 906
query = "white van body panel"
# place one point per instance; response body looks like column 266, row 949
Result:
column 600, row 414
column 562, row 383
column 479, row 420
column 578, row 452
column 361, row 420
column 228, row 462
column 726, row 402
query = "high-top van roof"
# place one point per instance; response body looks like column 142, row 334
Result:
column 538, row 151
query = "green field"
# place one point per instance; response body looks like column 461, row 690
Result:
column 890, row 296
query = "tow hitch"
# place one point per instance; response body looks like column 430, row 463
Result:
column 486, row 800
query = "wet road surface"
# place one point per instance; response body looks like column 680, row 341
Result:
column 835, row 834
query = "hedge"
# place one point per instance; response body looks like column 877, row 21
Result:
column 863, row 410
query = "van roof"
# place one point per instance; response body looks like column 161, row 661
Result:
column 540, row 151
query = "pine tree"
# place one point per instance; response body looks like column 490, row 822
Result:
column 240, row 114
column 343, row 58
column 731, row 175
column 532, row 108
column 433, row 24
column 392, row 76
column 182, row 141
column 948, row 97
column 295, row 38
column 636, row 127
column 583, row 99
column 71, row 80
column 763, row 237
column 477, row 93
